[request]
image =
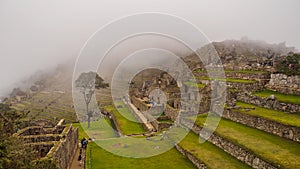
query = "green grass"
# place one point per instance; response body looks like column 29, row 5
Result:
column 279, row 116
column 237, row 71
column 286, row 98
column 199, row 85
column 247, row 71
column 127, row 126
column 103, row 159
column 210, row 154
column 98, row 129
column 274, row 149
column 100, row 158
column 230, row 80
column 166, row 121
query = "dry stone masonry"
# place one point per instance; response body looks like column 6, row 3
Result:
column 270, row 126
column 57, row 143
column 285, row 84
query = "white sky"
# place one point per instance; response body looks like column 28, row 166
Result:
column 35, row 34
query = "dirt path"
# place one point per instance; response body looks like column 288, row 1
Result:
column 75, row 163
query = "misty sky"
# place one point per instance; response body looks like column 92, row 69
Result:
column 36, row 34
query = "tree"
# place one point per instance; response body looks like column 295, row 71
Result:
column 87, row 83
column 289, row 65
column 14, row 153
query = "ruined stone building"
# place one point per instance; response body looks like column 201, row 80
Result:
column 57, row 143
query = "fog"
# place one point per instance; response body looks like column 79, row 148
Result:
column 40, row 34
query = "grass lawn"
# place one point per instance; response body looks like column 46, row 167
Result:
column 100, row 158
column 211, row 155
column 127, row 126
column 286, row 98
column 100, row 129
column 274, row 149
column 279, row 116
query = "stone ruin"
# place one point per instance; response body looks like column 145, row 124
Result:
column 57, row 143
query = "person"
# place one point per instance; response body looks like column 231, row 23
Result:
column 82, row 142
column 85, row 142
column 79, row 157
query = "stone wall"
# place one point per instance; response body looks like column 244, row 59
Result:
column 43, row 148
column 171, row 112
column 160, row 125
column 245, row 86
column 39, row 130
column 236, row 151
column 41, row 138
column 260, row 77
column 64, row 152
column 139, row 104
column 57, row 144
column 285, row 84
column 268, row 103
column 239, row 75
column 113, row 121
column 199, row 164
column 273, row 127
column 115, row 125
column 240, row 86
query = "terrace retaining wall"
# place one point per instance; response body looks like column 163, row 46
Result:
column 285, row 84
column 270, row 126
column 172, row 113
column 261, row 77
column 268, row 103
column 199, row 164
column 236, row 151
column 113, row 121
column 66, row 149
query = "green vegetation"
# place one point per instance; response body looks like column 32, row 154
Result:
column 165, row 121
column 231, row 80
column 274, row 149
column 100, row 158
column 47, row 163
column 279, row 116
column 237, row 71
column 127, row 126
column 13, row 152
column 98, row 129
column 286, row 98
column 50, row 106
column 289, row 65
column 210, row 154
column 199, row 85
column 87, row 83
column 246, row 71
